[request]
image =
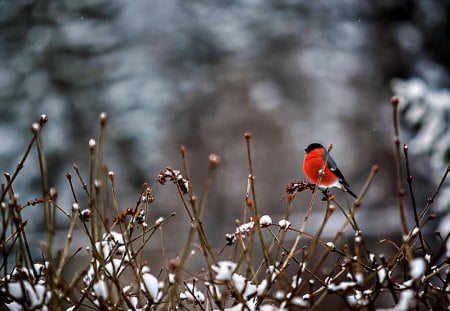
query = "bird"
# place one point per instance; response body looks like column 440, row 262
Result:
column 316, row 159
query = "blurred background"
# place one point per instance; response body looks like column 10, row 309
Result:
column 201, row 73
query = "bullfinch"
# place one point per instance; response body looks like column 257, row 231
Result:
column 318, row 158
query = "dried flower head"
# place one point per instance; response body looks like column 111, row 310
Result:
column 43, row 119
column 176, row 177
column 86, row 214
column 299, row 186
column 103, row 118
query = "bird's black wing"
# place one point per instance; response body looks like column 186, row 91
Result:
column 333, row 167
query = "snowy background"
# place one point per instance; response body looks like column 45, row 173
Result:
column 201, row 73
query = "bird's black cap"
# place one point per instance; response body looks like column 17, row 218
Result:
column 313, row 146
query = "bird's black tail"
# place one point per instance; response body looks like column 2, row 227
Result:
column 347, row 188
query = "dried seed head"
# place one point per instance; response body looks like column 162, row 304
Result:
column 375, row 168
column 230, row 238
column 183, row 149
column 86, row 214
column 43, row 119
column 92, row 143
column 53, row 194
column 75, row 207
column 214, row 159
column 265, row 221
column 111, row 175
column 176, row 177
column 159, row 222
column 35, row 127
column 284, row 224
column 174, row 263
column 103, row 119
column 140, row 218
column 395, row 101
column 145, row 269
column 248, row 135
column 330, row 147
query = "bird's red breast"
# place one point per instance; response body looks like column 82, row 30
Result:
column 313, row 163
